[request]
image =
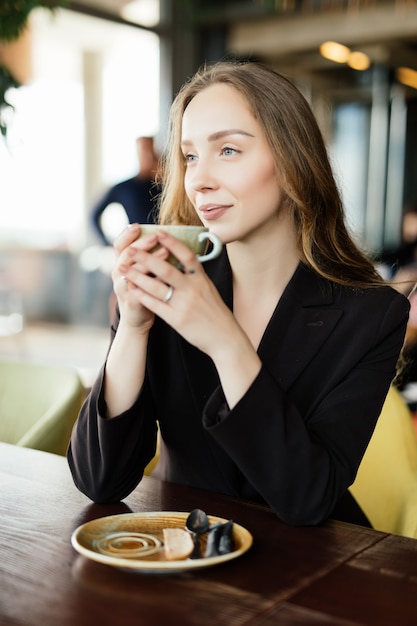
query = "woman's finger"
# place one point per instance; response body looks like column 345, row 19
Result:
column 126, row 237
column 130, row 237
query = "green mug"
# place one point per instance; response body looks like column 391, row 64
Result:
column 196, row 238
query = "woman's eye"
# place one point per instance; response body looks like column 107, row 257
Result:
column 229, row 151
column 189, row 158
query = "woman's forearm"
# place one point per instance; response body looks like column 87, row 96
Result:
column 237, row 364
column 125, row 369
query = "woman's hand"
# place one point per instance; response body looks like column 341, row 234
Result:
column 188, row 301
column 128, row 249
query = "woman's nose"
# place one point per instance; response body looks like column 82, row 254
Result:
column 203, row 176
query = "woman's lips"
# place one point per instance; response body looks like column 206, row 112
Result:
column 213, row 211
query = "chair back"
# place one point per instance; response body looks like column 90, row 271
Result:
column 386, row 482
column 38, row 404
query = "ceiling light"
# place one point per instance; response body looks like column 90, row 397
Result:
column 143, row 12
column 335, row 51
column 407, row 76
column 359, row 61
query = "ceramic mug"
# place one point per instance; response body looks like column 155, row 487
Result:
column 196, row 238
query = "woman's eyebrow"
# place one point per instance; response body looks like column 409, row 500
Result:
column 225, row 133
column 220, row 134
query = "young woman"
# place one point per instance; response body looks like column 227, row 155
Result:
column 266, row 368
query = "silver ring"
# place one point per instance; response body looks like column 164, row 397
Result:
column 170, row 293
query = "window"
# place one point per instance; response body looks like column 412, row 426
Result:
column 94, row 89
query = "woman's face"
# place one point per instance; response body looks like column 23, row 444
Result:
column 230, row 173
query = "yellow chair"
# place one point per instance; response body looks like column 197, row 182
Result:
column 38, row 404
column 386, row 483
column 153, row 462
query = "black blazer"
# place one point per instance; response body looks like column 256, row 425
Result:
column 296, row 438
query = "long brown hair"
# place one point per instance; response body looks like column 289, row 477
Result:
column 302, row 164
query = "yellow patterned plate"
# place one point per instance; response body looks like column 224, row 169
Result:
column 134, row 541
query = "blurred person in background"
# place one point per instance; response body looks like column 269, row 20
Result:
column 138, row 195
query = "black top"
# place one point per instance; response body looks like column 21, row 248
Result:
column 294, row 440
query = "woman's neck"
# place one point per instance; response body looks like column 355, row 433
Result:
column 266, row 262
column 261, row 272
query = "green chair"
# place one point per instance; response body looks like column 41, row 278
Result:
column 386, row 483
column 38, row 404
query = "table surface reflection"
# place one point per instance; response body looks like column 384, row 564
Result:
column 336, row 574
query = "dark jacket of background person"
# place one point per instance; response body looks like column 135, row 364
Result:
column 138, row 195
column 325, row 346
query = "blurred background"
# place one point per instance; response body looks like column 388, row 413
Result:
column 81, row 80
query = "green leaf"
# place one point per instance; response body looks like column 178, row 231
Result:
column 14, row 15
column 6, row 82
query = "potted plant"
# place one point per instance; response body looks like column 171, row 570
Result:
column 14, row 15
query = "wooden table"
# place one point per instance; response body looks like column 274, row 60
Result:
column 336, row 574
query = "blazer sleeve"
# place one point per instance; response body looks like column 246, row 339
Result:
column 107, row 457
column 302, row 456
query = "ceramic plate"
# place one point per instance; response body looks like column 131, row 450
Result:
column 134, row 541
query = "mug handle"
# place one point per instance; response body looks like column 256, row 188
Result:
column 217, row 246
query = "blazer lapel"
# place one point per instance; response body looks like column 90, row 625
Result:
column 302, row 321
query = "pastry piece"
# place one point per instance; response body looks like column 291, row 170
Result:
column 178, row 544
